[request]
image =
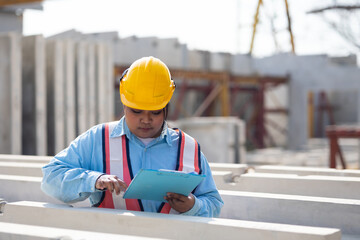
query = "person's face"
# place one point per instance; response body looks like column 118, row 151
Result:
column 143, row 123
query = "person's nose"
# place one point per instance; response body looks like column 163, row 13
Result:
column 146, row 118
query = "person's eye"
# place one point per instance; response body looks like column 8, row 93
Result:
column 157, row 112
column 136, row 111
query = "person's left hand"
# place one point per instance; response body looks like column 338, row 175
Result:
column 180, row 202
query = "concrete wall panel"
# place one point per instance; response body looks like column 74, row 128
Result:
column 55, row 96
column 221, row 139
column 81, row 89
column 92, row 86
column 298, row 210
column 34, row 136
column 70, row 91
column 10, row 95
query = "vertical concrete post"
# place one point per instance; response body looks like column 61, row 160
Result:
column 110, row 82
column 92, row 86
column 34, row 137
column 69, row 91
column 55, row 95
column 10, row 93
column 81, row 89
column 102, row 110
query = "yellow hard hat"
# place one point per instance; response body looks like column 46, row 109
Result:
column 146, row 85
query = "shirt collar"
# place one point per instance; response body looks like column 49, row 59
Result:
column 121, row 128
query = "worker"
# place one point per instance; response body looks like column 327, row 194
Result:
column 100, row 163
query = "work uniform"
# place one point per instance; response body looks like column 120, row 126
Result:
column 72, row 173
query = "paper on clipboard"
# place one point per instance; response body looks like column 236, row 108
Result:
column 154, row 184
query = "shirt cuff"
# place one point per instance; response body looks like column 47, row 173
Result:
column 194, row 209
column 92, row 180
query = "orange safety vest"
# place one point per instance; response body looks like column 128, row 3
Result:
column 117, row 162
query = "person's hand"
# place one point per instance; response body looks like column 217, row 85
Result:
column 180, row 202
column 110, row 182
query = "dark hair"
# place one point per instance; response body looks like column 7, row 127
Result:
column 166, row 111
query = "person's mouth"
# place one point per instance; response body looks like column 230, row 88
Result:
column 145, row 129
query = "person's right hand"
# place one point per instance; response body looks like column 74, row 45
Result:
column 110, row 182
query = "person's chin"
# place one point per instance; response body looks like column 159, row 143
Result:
column 145, row 133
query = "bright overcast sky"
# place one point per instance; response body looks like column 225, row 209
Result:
column 214, row 25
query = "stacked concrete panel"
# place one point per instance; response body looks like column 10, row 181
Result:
column 171, row 52
column 81, row 87
column 91, row 85
column 55, row 96
column 221, row 139
column 198, row 60
column 10, row 94
column 313, row 199
column 156, row 225
column 127, row 50
column 309, row 73
column 70, row 91
column 34, row 137
column 293, row 209
column 220, row 62
column 105, row 81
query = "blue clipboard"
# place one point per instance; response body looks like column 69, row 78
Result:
column 151, row 184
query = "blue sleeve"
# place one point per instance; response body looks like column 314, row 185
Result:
column 71, row 174
column 208, row 202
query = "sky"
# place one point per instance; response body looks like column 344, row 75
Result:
column 213, row 25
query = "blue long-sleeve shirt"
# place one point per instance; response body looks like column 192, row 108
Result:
column 72, row 173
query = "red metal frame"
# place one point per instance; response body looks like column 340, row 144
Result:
column 333, row 133
column 231, row 85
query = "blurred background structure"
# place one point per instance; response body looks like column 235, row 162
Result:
column 270, row 89
column 58, row 84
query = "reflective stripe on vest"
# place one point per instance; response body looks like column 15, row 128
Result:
column 118, row 163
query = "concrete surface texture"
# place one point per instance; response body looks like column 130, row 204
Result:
column 320, row 186
column 316, row 197
column 10, row 93
column 30, row 232
column 155, row 225
column 313, row 154
column 34, row 132
column 309, row 73
column 293, row 209
column 95, row 55
column 222, row 139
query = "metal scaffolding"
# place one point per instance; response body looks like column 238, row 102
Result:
column 219, row 94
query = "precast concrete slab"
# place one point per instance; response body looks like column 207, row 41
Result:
column 171, row 52
column 31, row 232
column 105, row 85
column 198, row 60
column 34, row 136
column 21, row 169
column 220, row 62
column 70, row 91
column 92, row 85
column 55, row 96
column 17, row 188
column 221, row 139
column 319, row 186
column 292, row 209
column 10, row 93
column 81, row 93
column 110, row 82
column 304, row 171
column 24, row 158
column 236, row 169
column 222, row 178
column 127, row 50
column 155, row 224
